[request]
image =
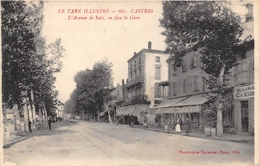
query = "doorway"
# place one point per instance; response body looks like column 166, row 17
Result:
column 244, row 115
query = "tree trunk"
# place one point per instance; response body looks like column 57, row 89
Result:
column 33, row 109
column 25, row 112
column 44, row 114
column 219, row 105
column 16, row 120
column 219, row 118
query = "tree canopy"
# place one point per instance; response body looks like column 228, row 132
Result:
column 92, row 89
column 28, row 63
column 207, row 24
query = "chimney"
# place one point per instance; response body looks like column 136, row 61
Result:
column 149, row 45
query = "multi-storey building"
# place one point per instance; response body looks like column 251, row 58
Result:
column 187, row 88
column 244, row 88
column 146, row 69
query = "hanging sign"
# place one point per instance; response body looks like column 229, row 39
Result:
column 244, row 92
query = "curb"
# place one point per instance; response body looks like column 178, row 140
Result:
column 9, row 144
column 249, row 142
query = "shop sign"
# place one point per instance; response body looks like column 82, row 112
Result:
column 244, row 92
column 190, row 109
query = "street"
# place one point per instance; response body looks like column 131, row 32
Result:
column 92, row 143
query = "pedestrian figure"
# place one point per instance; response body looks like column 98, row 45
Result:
column 178, row 126
column 188, row 126
column 49, row 122
column 30, row 125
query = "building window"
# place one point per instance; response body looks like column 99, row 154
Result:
column 174, row 89
column 189, row 85
column 157, row 72
column 135, row 74
column 139, row 61
column 194, row 61
column 183, row 66
column 157, row 90
column 130, row 67
column 242, row 72
column 174, row 70
column 184, row 83
column 157, row 59
column 135, row 65
column 196, row 83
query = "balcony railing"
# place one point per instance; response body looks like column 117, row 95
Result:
column 137, row 98
column 135, row 81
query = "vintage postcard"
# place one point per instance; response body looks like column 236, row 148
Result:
column 130, row 83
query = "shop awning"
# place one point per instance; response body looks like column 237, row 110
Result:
column 193, row 100
column 189, row 104
column 169, row 103
column 122, row 111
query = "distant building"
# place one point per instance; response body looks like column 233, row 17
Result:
column 146, row 69
column 108, row 115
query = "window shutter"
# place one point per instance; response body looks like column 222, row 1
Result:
column 184, row 85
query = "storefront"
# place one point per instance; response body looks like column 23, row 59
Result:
column 244, row 108
column 139, row 111
column 185, row 107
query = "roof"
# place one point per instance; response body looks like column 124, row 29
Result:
column 148, row 51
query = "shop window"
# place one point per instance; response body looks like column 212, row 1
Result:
column 157, row 72
column 196, row 83
column 242, row 72
column 157, row 59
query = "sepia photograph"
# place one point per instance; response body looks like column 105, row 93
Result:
column 130, row 83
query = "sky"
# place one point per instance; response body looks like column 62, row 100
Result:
column 89, row 41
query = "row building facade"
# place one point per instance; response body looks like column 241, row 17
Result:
column 146, row 69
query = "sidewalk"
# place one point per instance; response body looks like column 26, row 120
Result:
column 246, row 138
column 25, row 135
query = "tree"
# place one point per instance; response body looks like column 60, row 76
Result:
column 214, row 28
column 92, row 89
column 28, row 65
